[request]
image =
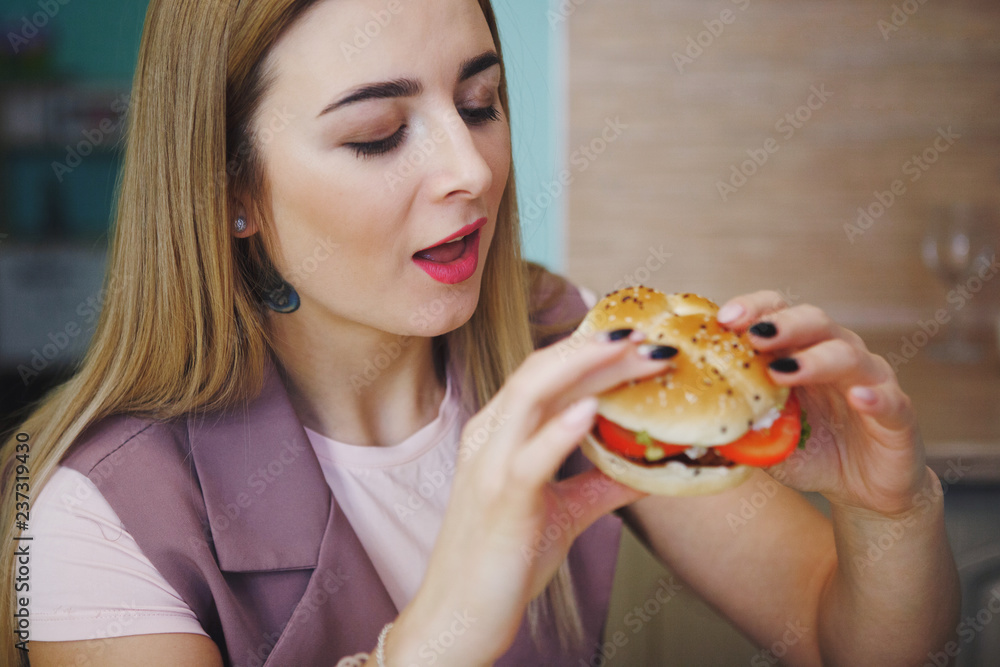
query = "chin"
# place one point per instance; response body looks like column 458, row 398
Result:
column 445, row 313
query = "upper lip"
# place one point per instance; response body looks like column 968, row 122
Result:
column 464, row 231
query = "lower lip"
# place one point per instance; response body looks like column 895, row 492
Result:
column 457, row 270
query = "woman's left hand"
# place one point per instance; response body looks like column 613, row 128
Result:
column 865, row 450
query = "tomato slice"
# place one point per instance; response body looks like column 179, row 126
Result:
column 770, row 445
column 622, row 440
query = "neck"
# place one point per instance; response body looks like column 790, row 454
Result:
column 356, row 384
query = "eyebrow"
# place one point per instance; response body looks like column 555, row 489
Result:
column 411, row 87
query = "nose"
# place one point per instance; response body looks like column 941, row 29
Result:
column 457, row 168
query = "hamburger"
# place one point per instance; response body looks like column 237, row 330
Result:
column 702, row 425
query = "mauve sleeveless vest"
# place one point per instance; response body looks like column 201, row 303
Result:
column 233, row 510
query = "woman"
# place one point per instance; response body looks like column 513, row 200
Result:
column 370, row 458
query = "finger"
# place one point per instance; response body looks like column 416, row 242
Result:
column 537, row 462
column 835, row 362
column 885, row 403
column 552, row 378
column 794, row 328
column 740, row 312
column 592, row 494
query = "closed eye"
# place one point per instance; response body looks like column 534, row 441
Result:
column 370, row 149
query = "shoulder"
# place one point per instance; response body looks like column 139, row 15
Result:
column 112, row 440
column 557, row 306
column 89, row 570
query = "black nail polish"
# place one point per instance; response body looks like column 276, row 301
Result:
column 663, row 352
column 784, row 365
column 618, row 334
column 764, row 330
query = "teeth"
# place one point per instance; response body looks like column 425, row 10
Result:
column 458, row 239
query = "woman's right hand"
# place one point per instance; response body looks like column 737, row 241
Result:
column 484, row 567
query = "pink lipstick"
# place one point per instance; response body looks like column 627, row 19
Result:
column 455, row 258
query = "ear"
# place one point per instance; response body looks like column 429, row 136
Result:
column 239, row 210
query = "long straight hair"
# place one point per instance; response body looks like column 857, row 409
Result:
column 182, row 328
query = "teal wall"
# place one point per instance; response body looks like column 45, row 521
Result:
column 532, row 51
column 100, row 39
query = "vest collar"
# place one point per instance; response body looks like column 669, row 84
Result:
column 266, row 497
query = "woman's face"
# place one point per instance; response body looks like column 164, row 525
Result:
column 383, row 136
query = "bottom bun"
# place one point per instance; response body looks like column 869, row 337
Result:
column 672, row 479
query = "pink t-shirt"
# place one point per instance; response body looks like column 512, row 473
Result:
column 90, row 580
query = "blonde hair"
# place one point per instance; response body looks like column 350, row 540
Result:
column 182, row 328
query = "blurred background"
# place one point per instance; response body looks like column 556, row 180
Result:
column 65, row 77
column 845, row 153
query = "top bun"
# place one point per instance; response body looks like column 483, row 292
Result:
column 717, row 386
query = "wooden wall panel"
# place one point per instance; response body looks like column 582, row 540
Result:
column 783, row 229
column 654, row 186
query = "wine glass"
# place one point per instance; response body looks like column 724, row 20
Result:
column 960, row 241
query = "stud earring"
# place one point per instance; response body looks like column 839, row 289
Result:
column 241, row 224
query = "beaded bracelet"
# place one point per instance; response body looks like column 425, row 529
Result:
column 380, row 649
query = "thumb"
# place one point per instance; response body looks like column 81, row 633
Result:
column 592, row 494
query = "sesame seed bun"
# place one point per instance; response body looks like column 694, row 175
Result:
column 715, row 389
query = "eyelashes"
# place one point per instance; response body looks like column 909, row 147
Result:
column 371, row 149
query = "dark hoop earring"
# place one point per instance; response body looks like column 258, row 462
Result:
column 279, row 296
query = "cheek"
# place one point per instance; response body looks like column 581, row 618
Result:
column 316, row 202
column 497, row 154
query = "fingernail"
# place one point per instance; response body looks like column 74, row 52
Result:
column 580, row 413
column 784, row 365
column 764, row 330
column 618, row 334
column 661, row 352
column 864, row 394
column 730, row 312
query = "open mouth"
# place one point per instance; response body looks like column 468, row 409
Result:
column 448, row 252
column 452, row 262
